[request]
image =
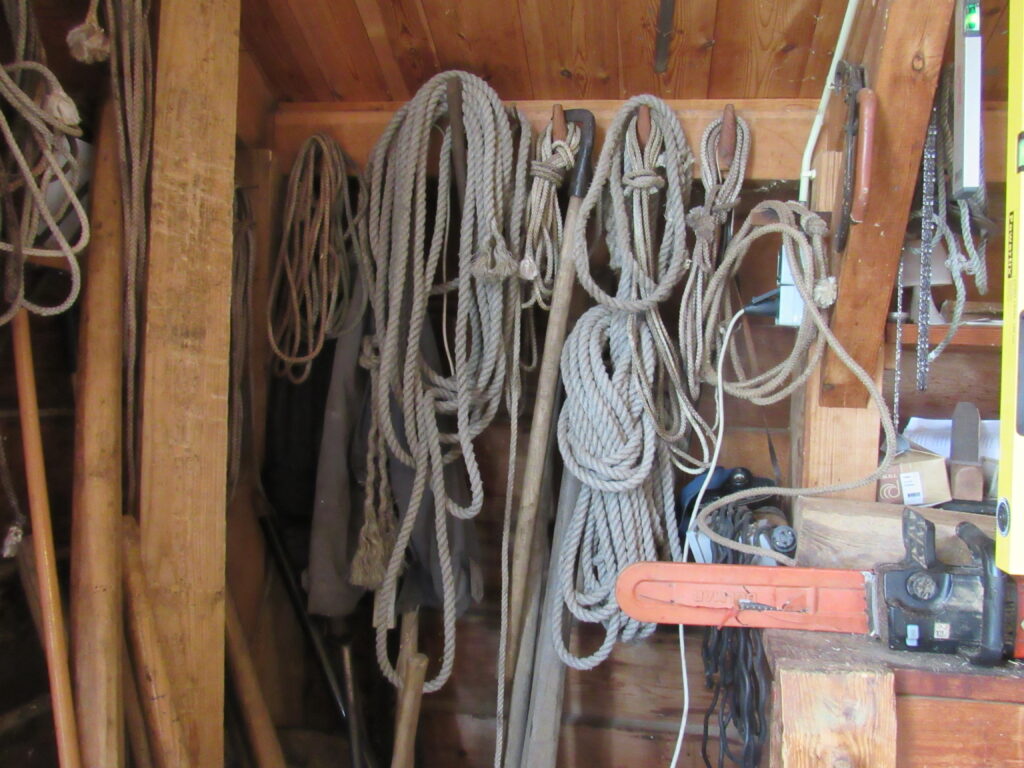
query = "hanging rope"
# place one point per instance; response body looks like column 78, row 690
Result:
column 552, row 160
column 311, row 283
column 803, row 234
column 39, row 124
column 617, row 364
column 405, row 266
column 131, row 77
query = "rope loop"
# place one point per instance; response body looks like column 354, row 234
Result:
column 645, row 180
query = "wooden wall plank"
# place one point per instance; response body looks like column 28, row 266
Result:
column 837, row 717
column 985, row 733
column 376, row 30
column 780, row 126
column 409, row 38
column 908, row 52
column 823, row 45
column 483, row 38
column 571, row 48
column 690, row 49
column 334, row 33
column 995, row 48
column 761, row 47
column 273, row 33
column 185, row 379
column 256, row 101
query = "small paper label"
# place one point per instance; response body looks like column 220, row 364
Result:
column 941, row 630
column 913, row 489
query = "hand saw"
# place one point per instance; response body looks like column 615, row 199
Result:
column 919, row 604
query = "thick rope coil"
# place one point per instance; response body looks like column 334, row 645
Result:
column 311, row 284
column 617, row 365
column 404, row 265
column 39, row 124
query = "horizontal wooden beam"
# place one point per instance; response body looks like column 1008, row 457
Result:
column 779, row 128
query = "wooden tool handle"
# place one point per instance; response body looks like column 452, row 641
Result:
column 407, row 718
column 259, row 726
column 867, row 102
column 51, row 612
column 166, row 735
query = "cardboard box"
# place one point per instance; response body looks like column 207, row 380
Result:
column 917, row 477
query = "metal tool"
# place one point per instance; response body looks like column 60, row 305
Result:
column 918, row 604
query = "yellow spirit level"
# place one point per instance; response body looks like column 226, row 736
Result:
column 1010, row 515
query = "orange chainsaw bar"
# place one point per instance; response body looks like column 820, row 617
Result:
column 822, row 599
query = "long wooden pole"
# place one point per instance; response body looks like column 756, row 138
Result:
column 537, row 451
column 260, row 728
column 95, row 613
column 54, row 638
column 163, row 723
column 414, row 672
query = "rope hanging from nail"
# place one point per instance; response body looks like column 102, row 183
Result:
column 405, row 265
column 311, row 281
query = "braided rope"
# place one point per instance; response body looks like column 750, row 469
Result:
column 615, row 365
column 401, row 262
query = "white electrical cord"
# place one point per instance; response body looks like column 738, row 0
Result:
column 720, row 422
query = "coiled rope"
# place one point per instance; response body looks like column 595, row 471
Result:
column 311, row 284
column 404, row 266
column 39, row 124
column 615, row 365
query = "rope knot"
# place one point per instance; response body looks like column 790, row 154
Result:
column 369, row 353
column 702, row 223
column 494, row 263
column 548, row 170
column 815, row 226
column 825, row 291
column 643, row 180
column 61, row 107
column 88, row 43
column 528, row 269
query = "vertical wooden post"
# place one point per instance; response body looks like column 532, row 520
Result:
column 95, row 614
column 836, row 718
column 902, row 60
column 187, row 338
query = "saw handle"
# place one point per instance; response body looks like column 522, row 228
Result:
column 990, row 651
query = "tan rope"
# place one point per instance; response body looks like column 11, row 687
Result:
column 311, row 282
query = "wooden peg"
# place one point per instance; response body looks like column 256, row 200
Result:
column 727, row 139
column 643, row 125
column 559, row 130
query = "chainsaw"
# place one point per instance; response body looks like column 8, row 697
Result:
column 918, row 604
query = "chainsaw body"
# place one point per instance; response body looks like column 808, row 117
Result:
column 919, row 604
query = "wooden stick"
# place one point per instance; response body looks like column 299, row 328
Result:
column 134, row 720
column 536, row 456
column 256, row 717
column 459, row 149
column 51, row 612
column 95, row 615
column 409, row 699
column 166, row 734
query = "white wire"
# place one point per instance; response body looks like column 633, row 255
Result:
column 720, row 418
